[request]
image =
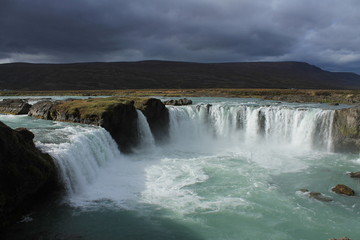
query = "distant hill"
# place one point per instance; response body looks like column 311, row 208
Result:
column 166, row 74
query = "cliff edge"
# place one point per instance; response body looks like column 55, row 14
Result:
column 26, row 173
column 346, row 126
column 117, row 115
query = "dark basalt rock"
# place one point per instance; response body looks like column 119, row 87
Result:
column 343, row 189
column 25, row 173
column 117, row 115
column 14, row 106
column 44, row 110
column 355, row 174
column 121, row 123
column 178, row 102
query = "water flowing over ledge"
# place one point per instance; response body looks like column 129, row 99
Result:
column 199, row 127
column 80, row 157
column 308, row 128
column 225, row 169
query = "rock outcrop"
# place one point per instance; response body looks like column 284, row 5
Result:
column 14, row 106
column 346, row 132
column 117, row 115
column 43, row 109
column 316, row 195
column 355, row 174
column 25, row 173
column 178, row 102
column 343, row 189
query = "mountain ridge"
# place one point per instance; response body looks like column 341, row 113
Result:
column 157, row 74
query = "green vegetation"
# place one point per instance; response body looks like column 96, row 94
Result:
column 294, row 95
column 96, row 106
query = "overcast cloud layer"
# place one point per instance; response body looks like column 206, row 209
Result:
column 324, row 33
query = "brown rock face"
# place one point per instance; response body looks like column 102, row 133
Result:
column 25, row 172
column 347, row 130
column 343, row 189
column 14, row 106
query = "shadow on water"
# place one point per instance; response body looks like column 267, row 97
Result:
column 54, row 221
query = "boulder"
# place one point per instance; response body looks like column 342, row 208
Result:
column 343, row 189
column 319, row 196
column 355, row 174
column 14, row 106
column 43, row 110
column 316, row 195
column 26, row 173
column 178, row 102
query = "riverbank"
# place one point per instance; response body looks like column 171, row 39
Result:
column 289, row 95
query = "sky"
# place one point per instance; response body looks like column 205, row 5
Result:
column 325, row 33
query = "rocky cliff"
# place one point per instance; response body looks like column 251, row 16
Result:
column 117, row 115
column 25, row 173
column 14, row 106
column 346, row 132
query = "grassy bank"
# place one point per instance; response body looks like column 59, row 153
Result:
column 294, row 95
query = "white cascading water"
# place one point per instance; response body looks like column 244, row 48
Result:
column 87, row 150
column 82, row 155
column 308, row 128
column 146, row 138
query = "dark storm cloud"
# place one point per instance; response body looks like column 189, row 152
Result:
column 202, row 30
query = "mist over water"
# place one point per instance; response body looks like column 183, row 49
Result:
column 229, row 170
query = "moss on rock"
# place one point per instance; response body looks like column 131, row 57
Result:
column 117, row 115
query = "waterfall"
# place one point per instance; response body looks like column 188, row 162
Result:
column 80, row 157
column 146, row 138
column 205, row 128
column 306, row 128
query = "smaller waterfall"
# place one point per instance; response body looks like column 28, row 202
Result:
column 79, row 159
column 146, row 137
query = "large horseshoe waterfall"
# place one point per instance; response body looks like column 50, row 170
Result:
column 228, row 169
